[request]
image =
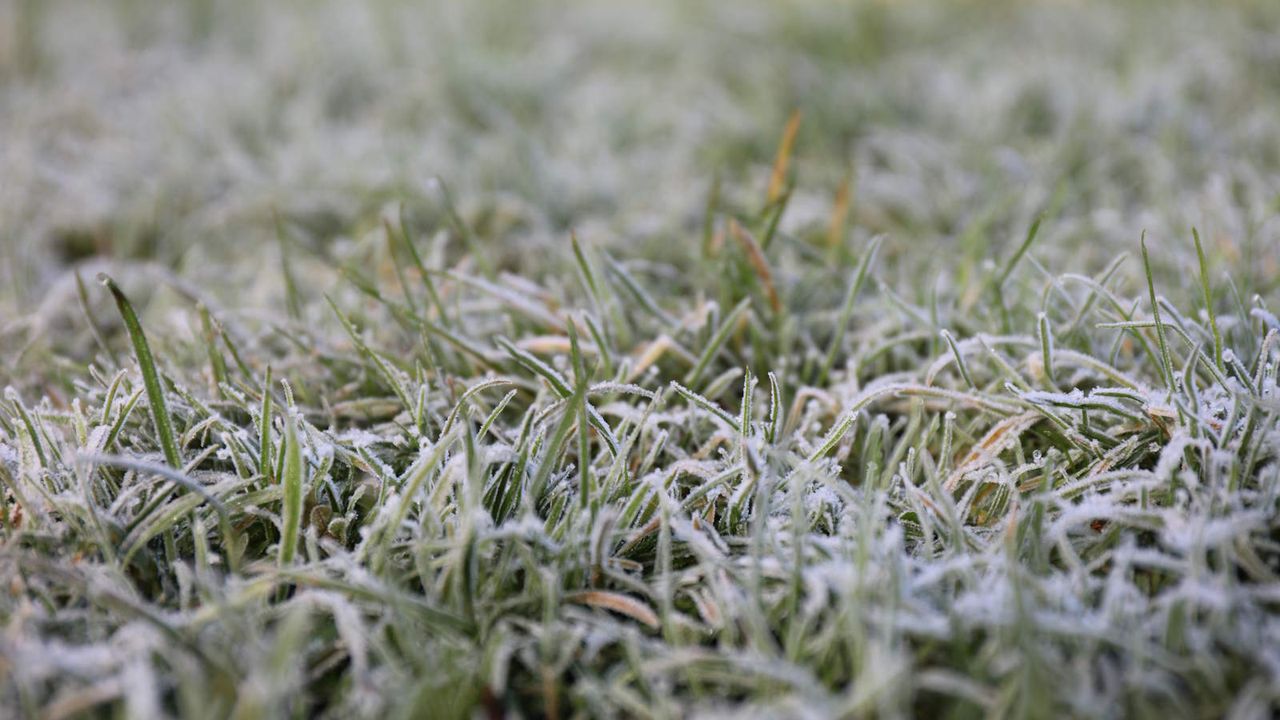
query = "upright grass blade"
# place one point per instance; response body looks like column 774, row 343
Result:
column 716, row 342
column 581, row 380
column 744, row 416
column 150, row 376
column 217, row 363
column 584, row 266
column 1208, row 303
column 782, row 161
column 759, row 264
column 846, row 309
column 997, row 284
column 12, row 396
column 291, row 506
column 772, row 218
column 1046, row 346
column 266, row 447
column 774, row 419
column 423, row 274
column 1009, row 266
column 1166, row 362
column 961, row 365
column 405, row 289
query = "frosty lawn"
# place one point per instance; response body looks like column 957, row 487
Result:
column 578, row 360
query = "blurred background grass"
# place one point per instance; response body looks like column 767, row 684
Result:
column 164, row 139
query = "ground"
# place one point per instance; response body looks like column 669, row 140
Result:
column 581, row 359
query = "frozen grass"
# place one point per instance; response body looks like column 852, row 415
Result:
column 658, row 407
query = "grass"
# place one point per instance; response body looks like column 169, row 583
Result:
column 866, row 360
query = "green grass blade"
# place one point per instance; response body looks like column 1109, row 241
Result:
column 292, row 481
column 847, row 307
column 1022, row 250
column 1208, row 303
column 717, row 340
column 150, row 376
column 1166, row 362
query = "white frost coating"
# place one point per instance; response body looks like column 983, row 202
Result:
column 358, row 438
column 9, row 456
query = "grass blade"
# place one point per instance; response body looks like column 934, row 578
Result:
column 292, row 480
column 1208, row 303
column 717, row 340
column 1166, row 362
column 150, row 376
column 782, row 161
